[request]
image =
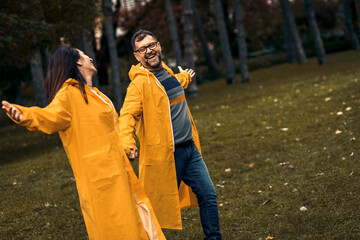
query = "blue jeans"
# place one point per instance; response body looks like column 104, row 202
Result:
column 190, row 168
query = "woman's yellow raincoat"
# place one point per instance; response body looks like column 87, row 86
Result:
column 112, row 200
column 146, row 112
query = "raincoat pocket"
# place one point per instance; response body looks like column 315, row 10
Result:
column 151, row 134
column 100, row 166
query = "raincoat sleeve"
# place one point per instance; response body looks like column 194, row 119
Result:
column 53, row 118
column 130, row 114
column 184, row 79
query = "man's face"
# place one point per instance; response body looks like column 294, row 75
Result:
column 151, row 58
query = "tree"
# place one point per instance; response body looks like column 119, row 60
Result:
column 241, row 42
column 349, row 25
column 224, row 41
column 319, row 48
column 87, row 38
column 203, row 40
column 28, row 25
column 289, row 42
column 173, row 32
column 192, row 90
column 115, row 69
column 38, row 78
column 294, row 44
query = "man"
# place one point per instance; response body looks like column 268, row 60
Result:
column 156, row 110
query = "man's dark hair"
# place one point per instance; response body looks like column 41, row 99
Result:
column 140, row 35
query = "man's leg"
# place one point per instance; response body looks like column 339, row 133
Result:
column 182, row 156
column 195, row 174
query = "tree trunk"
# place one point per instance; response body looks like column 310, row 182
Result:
column 224, row 41
column 357, row 10
column 295, row 43
column 173, row 32
column 203, row 40
column 241, row 42
column 289, row 42
column 320, row 51
column 349, row 25
column 37, row 75
column 115, row 68
column 192, row 90
column 89, row 50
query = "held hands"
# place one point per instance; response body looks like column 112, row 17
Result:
column 13, row 111
column 133, row 154
column 190, row 71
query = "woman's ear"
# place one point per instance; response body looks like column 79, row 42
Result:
column 78, row 62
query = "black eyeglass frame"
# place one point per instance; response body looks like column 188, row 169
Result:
column 147, row 47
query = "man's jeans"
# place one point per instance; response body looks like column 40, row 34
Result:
column 190, row 168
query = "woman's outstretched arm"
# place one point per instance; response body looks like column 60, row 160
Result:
column 53, row 118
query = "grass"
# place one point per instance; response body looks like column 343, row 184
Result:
column 286, row 140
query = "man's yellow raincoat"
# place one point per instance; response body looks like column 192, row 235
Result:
column 146, row 112
column 112, row 200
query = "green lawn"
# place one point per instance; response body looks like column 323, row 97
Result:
column 286, row 141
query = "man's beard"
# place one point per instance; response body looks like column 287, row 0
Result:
column 154, row 64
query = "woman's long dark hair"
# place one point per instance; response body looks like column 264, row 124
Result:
column 62, row 66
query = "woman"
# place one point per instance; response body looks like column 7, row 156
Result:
column 113, row 203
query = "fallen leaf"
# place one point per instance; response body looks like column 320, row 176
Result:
column 303, row 209
column 327, row 99
column 339, row 113
column 348, row 109
column 251, row 165
column 228, row 170
column 284, row 129
column 338, row 132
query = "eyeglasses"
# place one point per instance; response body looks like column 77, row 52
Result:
column 150, row 46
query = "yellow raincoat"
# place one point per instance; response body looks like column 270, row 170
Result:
column 146, row 112
column 113, row 203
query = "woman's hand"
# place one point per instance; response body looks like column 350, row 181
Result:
column 133, row 154
column 13, row 111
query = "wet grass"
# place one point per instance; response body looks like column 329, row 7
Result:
column 286, row 141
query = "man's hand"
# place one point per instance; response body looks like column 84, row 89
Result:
column 133, row 154
column 13, row 111
column 190, row 71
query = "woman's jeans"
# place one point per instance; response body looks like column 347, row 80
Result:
column 190, row 168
